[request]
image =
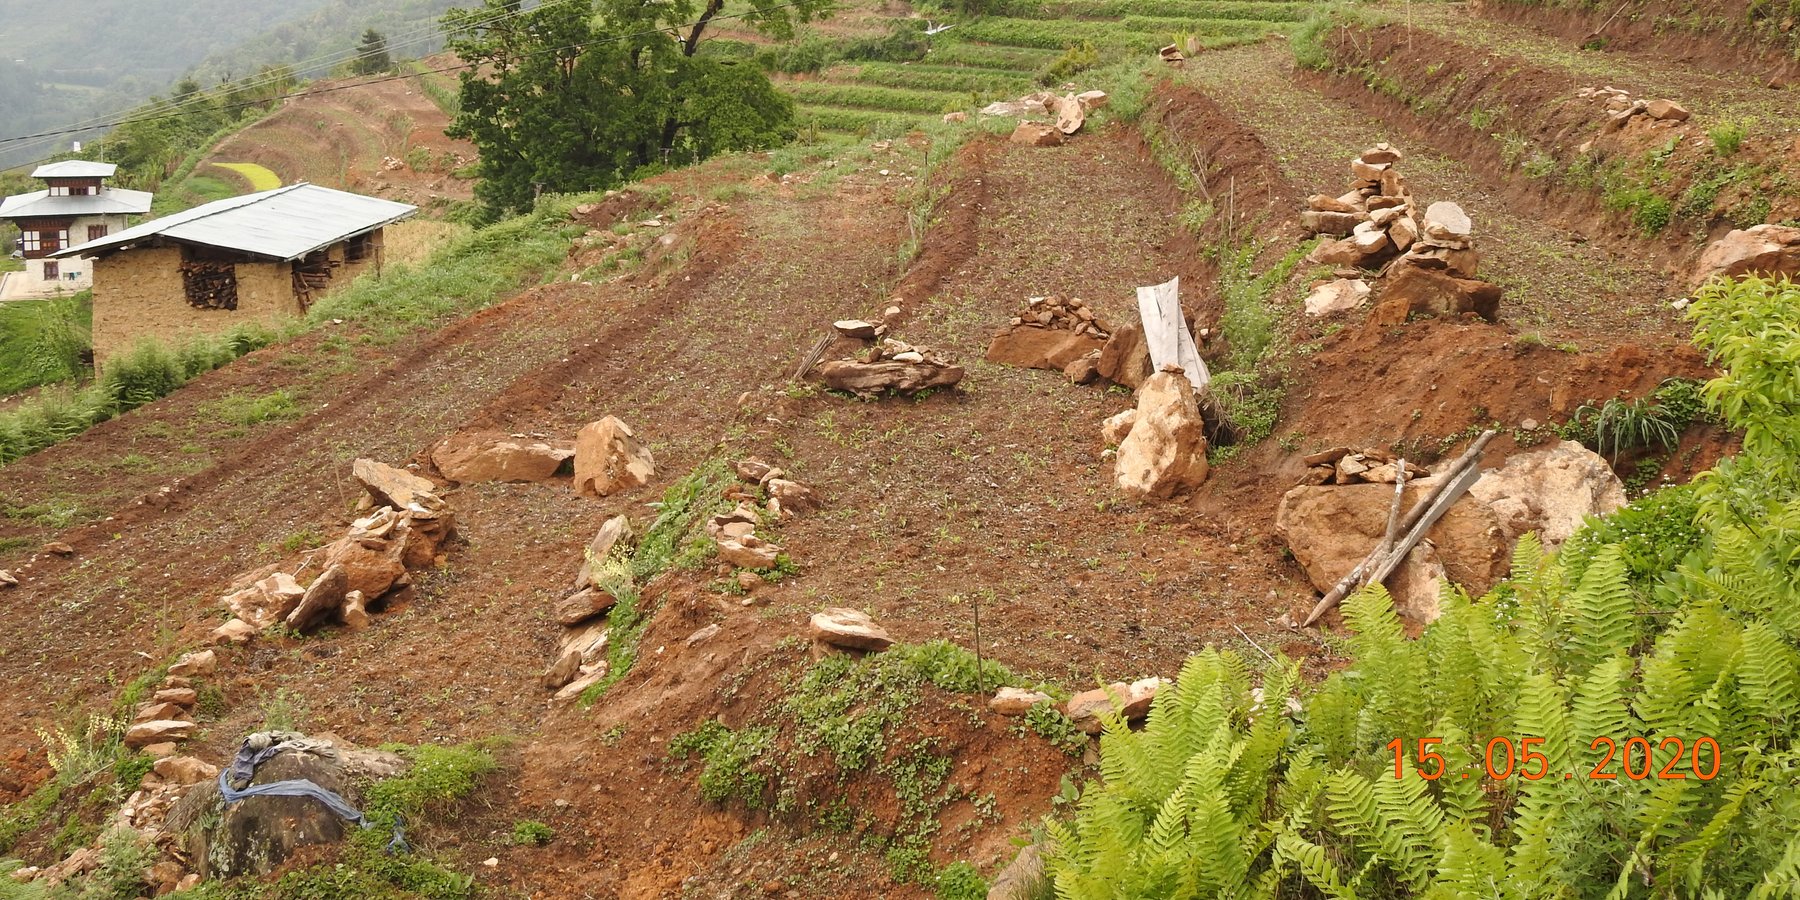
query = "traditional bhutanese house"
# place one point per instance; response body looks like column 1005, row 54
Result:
column 258, row 258
column 76, row 206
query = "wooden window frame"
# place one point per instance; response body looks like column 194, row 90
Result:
column 52, row 270
column 96, row 232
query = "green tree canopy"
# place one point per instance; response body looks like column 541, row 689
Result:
column 574, row 95
column 371, row 54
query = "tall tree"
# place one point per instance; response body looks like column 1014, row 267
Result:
column 576, row 95
column 371, row 55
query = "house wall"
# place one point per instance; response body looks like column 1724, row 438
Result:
column 73, row 274
column 139, row 293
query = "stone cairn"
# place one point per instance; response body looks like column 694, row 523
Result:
column 1619, row 108
column 1429, row 261
column 1342, row 465
column 886, row 364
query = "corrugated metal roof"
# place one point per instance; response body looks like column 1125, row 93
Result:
column 109, row 200
column 75, row 168
column 285, row 223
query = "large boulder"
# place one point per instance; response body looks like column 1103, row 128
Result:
column 498, row 457
column 609, row 459
column 1165, row 453
column 1550, row 492
column 255, row 835
column 849, row 628
column 1040, row 348
column 1341, row 295
column 1411, row 289
column 371, row 565
column 1331, row 528
column 1762, row 250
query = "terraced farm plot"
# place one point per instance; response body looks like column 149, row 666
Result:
column 1028, row 43
column 258, row 177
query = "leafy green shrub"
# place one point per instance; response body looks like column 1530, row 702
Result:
column 960, row 881
column 239, row 409
column 1727, row 137
column 1658, row 421
column 904, row 42
column 868, row 97
column 1654, row 533
column 145, row 373
column 1077, row 58
column 1219, row 795
column 951, row 668
column 810, row 53
column 532, row 834
column 730, row 760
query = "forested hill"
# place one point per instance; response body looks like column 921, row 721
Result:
column 71, row 61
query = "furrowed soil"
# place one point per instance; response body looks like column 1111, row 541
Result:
column 992, row 500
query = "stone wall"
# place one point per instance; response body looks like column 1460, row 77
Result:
column 139, row 294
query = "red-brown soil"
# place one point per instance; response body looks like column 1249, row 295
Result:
column 995, row 493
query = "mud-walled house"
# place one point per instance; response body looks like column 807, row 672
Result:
column 76, row 206
column 259, row 258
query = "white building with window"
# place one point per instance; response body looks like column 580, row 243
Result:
column 75, row 207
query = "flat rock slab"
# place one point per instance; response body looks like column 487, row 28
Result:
column 1012, row 701
column 390, row 486
column 849, row 628
column 1342, row 295
column 484, row 457
column 1041, row 348
column 867, row 379
column 1088, row 708
column 157, row 731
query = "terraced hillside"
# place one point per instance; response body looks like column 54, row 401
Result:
column 719, row 752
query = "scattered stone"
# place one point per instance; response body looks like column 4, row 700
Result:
column 482, row 457
column 1037, row 134
column 389, row 486
column 324, row 597
column 563, row 671
column 1550, row 491
column 1165, row 453
column 156, row 731
column 1085, row 370
column 1342, row 295
column 197, row 663
column 1667, row 110
column 8, row 579
column 609, row 459
column 236, row 631
column 794, row 496
column 266, row 602
column 1070, row 114
column 754, row 470
column 1114, row 430
column 1011, row 701
column 583, row 605
column 749, row 552
column 958, row 116
column 849, row 628
column 355, row 611
column 1126, row 357
column 180, row 696
column 868, row 379
column 1132, row 701
column 58, row 548
column 702, row 636
column 855, row 328
column 748, row 581
column 1768, row 250
column 614, row 533
column 184, row 770
column 1023, row 878
column 1093, row 100
column 151, row 712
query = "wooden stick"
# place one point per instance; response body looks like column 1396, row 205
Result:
column 1386, row 557
column 1354, row 578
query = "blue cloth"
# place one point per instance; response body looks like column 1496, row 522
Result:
column 243, row 769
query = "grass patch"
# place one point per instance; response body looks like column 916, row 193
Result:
column 244, row 410
column 45, row 341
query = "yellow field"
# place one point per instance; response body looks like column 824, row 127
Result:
column 260, row 178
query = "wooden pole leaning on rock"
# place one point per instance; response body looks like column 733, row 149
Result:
column 1387, row 556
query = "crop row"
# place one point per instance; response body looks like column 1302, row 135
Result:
column 933, row 78
column 1261, row 10
column 831, row 118
column 879, row 98
column 1017, row 59
column 1134, row 33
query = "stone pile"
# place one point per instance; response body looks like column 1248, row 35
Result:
column 1057, row 333
column 1088, row 710
column 405, row 526
column 1429, row 260
column 1341, row 465
column 890, row 365
column 1069, row 111
column 1620, row 108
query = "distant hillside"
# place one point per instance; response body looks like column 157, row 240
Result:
column 64, row 63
